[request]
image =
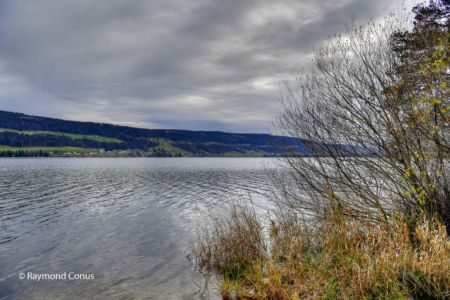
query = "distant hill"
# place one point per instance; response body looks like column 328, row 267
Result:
column 25, row 135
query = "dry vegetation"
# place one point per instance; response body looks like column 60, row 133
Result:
column 378, row 208
column 232, row 246
column 342, row 258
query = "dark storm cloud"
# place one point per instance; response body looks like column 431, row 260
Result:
column 204, row 64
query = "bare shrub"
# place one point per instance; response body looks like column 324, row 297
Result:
column 375, row 109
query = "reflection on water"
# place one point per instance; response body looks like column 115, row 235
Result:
column 127, row 221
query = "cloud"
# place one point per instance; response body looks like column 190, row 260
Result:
column 204, row 64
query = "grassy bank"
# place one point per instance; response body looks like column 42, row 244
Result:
column 341, row 258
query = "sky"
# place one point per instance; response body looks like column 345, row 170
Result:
column 197, row 64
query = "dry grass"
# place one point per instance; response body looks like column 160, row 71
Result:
column 341, row 258
column 232, row 245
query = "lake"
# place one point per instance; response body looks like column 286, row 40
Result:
column 118, row 227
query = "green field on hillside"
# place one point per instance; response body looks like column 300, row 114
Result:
column 167, row 146
column 47, row 149
column 73, row 136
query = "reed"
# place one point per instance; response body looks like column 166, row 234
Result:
column 339, row 258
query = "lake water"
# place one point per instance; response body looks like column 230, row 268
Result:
column 126, row 221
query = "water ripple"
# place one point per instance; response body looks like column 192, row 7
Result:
column 126, row 220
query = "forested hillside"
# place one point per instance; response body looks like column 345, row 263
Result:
column 25, row 135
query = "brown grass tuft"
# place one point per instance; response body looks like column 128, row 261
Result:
column 232, row 245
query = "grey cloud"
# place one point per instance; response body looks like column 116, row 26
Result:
column 204, row 64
